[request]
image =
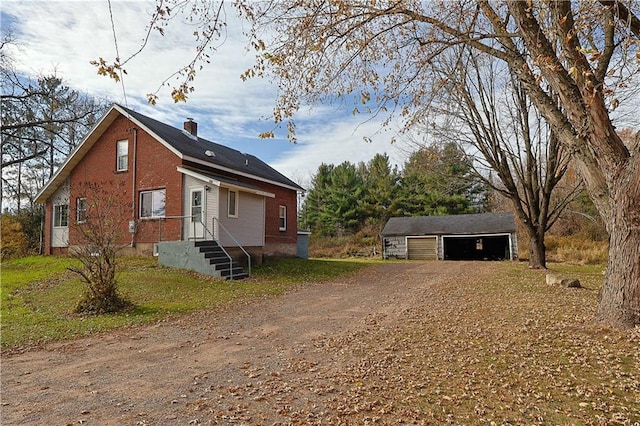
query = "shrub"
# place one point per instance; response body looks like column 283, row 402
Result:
column 14, row 242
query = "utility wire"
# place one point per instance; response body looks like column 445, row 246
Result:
column 115, row 41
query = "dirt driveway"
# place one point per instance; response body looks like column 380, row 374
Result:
column 279, row 360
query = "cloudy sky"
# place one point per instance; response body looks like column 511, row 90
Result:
column 64, row 36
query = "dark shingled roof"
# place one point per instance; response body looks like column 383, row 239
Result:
column 195, row 148
column 483, row 223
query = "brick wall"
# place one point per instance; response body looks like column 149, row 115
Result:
column 48, row 218
column 284, row 197
column 96, row 176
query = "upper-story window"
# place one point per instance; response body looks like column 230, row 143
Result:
column 232, row 204
column 122, row 154
column 282, row 216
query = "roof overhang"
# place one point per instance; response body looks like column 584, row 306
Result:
column 224, row 183
column 240, row 173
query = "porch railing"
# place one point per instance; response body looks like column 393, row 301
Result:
column 213, row 225
column 206, row 232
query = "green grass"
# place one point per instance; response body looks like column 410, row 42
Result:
column 39, row 294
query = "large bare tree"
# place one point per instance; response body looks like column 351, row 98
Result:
column 42, row 122
column 483, row 108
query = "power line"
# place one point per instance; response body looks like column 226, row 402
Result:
column 115, row 41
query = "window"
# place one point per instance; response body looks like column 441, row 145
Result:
column 81, row 210
column 122, row 155
column 232, row 205
column 61, row 215
column 283, row 218
column 196, row 206
column 152, row 203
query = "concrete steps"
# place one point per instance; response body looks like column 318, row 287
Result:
column 216, row 256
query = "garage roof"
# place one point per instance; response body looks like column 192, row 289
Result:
column 462, row 224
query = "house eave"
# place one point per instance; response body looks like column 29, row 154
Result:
column 240, row 173
column 220, row 183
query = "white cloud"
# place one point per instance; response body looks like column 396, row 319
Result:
column 67, row 35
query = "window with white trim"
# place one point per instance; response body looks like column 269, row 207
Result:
column 81, row 209
column 152, row 204
column 232, row 203
column 61, row 215
column 122, row 155
column 282, row 216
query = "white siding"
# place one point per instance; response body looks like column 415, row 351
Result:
column 60, row 236
column 248, row 227
column 210, row 202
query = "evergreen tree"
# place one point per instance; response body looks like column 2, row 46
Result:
column 379, row 202
column 312, row 216
column 343, row 213
column 438, row 180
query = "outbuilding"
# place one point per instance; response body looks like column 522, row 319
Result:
column 484, row 236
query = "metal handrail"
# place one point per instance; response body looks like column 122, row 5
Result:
column 213, row 225
column 161, row 221
column 207, row 230
column 182, row 227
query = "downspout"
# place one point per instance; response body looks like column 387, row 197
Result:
column 132, row 223
column 41, row 247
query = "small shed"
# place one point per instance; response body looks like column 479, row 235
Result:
column 484, row 236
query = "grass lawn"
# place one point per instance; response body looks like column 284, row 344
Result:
column 39, row 294
column 495, row 346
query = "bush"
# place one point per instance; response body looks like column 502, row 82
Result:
column 14, row 240
column 362, row 244
column 90, row 304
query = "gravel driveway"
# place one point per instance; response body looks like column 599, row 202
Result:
column 278, row 360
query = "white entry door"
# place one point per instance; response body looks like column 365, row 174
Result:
column 196, row 228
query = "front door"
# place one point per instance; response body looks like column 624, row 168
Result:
column 196, row 223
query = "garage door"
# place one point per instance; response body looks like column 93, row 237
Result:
column 422, row 248
column 477, row 247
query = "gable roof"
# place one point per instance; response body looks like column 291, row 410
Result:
column 183, row 144
column 198, row 150
column 482, row 223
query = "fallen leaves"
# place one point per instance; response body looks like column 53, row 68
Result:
column 492, row 348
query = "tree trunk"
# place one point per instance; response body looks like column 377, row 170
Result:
column 537, row 250
column 619, row 299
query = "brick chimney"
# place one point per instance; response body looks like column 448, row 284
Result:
column 191, row 126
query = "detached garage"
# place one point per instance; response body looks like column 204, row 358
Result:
column 485, row 236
